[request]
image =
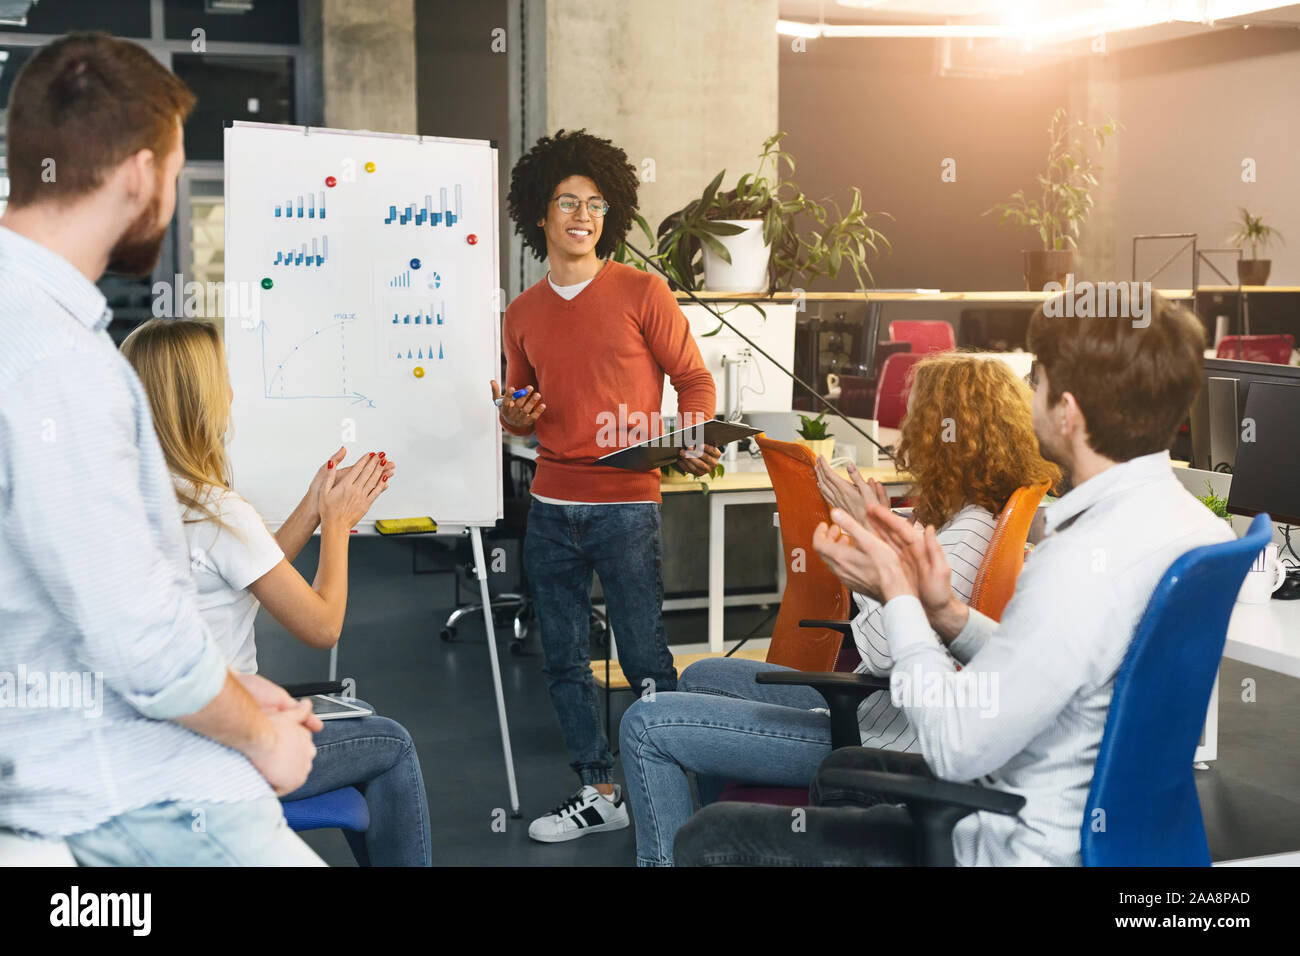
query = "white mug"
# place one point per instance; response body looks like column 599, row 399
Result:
column 1265, row 576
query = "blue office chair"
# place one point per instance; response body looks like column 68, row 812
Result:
column 344, row 809
column 1142, row 808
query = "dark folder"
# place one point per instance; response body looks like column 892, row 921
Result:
column 664, row 450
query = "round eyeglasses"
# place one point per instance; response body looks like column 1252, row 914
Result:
column 569, row 204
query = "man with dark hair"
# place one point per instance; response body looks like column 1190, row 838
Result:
column 596, row 337
column 125, row 732
column 1109, row 394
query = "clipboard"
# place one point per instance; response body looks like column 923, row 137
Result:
column 664, row 449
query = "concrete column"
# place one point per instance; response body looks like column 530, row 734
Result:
column 689, row 84
column 365, row 52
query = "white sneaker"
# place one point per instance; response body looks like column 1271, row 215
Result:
column 587, row 811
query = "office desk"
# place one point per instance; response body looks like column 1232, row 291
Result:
column 744, row 482
column 1266, row 635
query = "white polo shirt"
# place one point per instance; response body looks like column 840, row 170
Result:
column 224, row 562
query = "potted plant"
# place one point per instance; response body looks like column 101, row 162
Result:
column 813, row 436
column 1252, row 231
column 676, row 472
column 1216, row 504
column 748, row 238
column 1064, row 202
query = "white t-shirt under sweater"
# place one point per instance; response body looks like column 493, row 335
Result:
column 225, row 561
column 964, row 540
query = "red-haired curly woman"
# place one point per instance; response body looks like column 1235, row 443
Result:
column 968, row 443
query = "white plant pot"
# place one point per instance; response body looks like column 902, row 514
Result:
column 747, row 271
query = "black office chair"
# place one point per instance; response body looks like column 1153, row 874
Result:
column 516, row 501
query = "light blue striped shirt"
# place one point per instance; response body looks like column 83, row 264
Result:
column 100, row 636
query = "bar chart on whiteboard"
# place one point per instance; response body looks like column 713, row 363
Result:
column 374, row 259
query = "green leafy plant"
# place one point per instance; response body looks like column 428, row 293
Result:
column 1252, row 231
column 1064, row 198
column 675, row 469
column 1216, row 504
column 625, row 255
column 809, row 239
column 813, row 429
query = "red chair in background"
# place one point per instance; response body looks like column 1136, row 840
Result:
column 925, row 336
column 858, row 392
column 1275, row 349
column 891, row 393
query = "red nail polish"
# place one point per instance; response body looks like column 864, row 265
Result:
column 330, row 463
column 385, row 477
column 372, row 454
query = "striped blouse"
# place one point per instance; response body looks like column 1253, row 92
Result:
column 964, row 540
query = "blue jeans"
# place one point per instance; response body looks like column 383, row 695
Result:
column 622, row 543
column 724, row 726
column 247, row 833
column 375, row 755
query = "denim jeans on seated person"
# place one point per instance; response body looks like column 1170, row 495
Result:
column 564, row 544
column 723, row 726
column 375, row 755
column 245, row 833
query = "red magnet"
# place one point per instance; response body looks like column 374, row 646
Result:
column 472, row 239
column 331, row 182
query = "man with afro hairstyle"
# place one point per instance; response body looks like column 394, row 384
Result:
column 590, row 345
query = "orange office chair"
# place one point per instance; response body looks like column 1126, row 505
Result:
column 995, row 581
column 811, row 589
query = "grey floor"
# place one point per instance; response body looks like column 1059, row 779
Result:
column 442, row 693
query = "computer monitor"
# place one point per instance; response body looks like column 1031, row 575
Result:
column 1264, row 479
column 1217, row 412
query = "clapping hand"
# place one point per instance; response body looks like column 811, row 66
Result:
column 920, row 552
column 851, row 496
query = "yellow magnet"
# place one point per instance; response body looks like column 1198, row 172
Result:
column 370, row 167
column 419, row 371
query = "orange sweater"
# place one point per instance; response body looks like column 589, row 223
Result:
column 609, row 346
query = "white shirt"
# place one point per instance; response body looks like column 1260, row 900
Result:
column 568, row 291
column 101, row 641
column 964, row 540
column 1049, row 667
column 224, row 562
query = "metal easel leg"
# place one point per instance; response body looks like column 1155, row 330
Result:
column 480, row 569
column 334, row 662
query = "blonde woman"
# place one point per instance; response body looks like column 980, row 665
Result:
column 968, row 442
column 239, row 565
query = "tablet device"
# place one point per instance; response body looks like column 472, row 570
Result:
column 664, row 450
column 335, row 708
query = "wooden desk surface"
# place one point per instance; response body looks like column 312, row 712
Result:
column 744, row 475
column 750, row 475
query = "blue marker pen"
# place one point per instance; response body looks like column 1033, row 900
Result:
column 515, row 395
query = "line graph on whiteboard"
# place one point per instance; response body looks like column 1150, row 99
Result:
column 316, row 366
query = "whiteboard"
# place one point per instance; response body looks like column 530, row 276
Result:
column 362, row 309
